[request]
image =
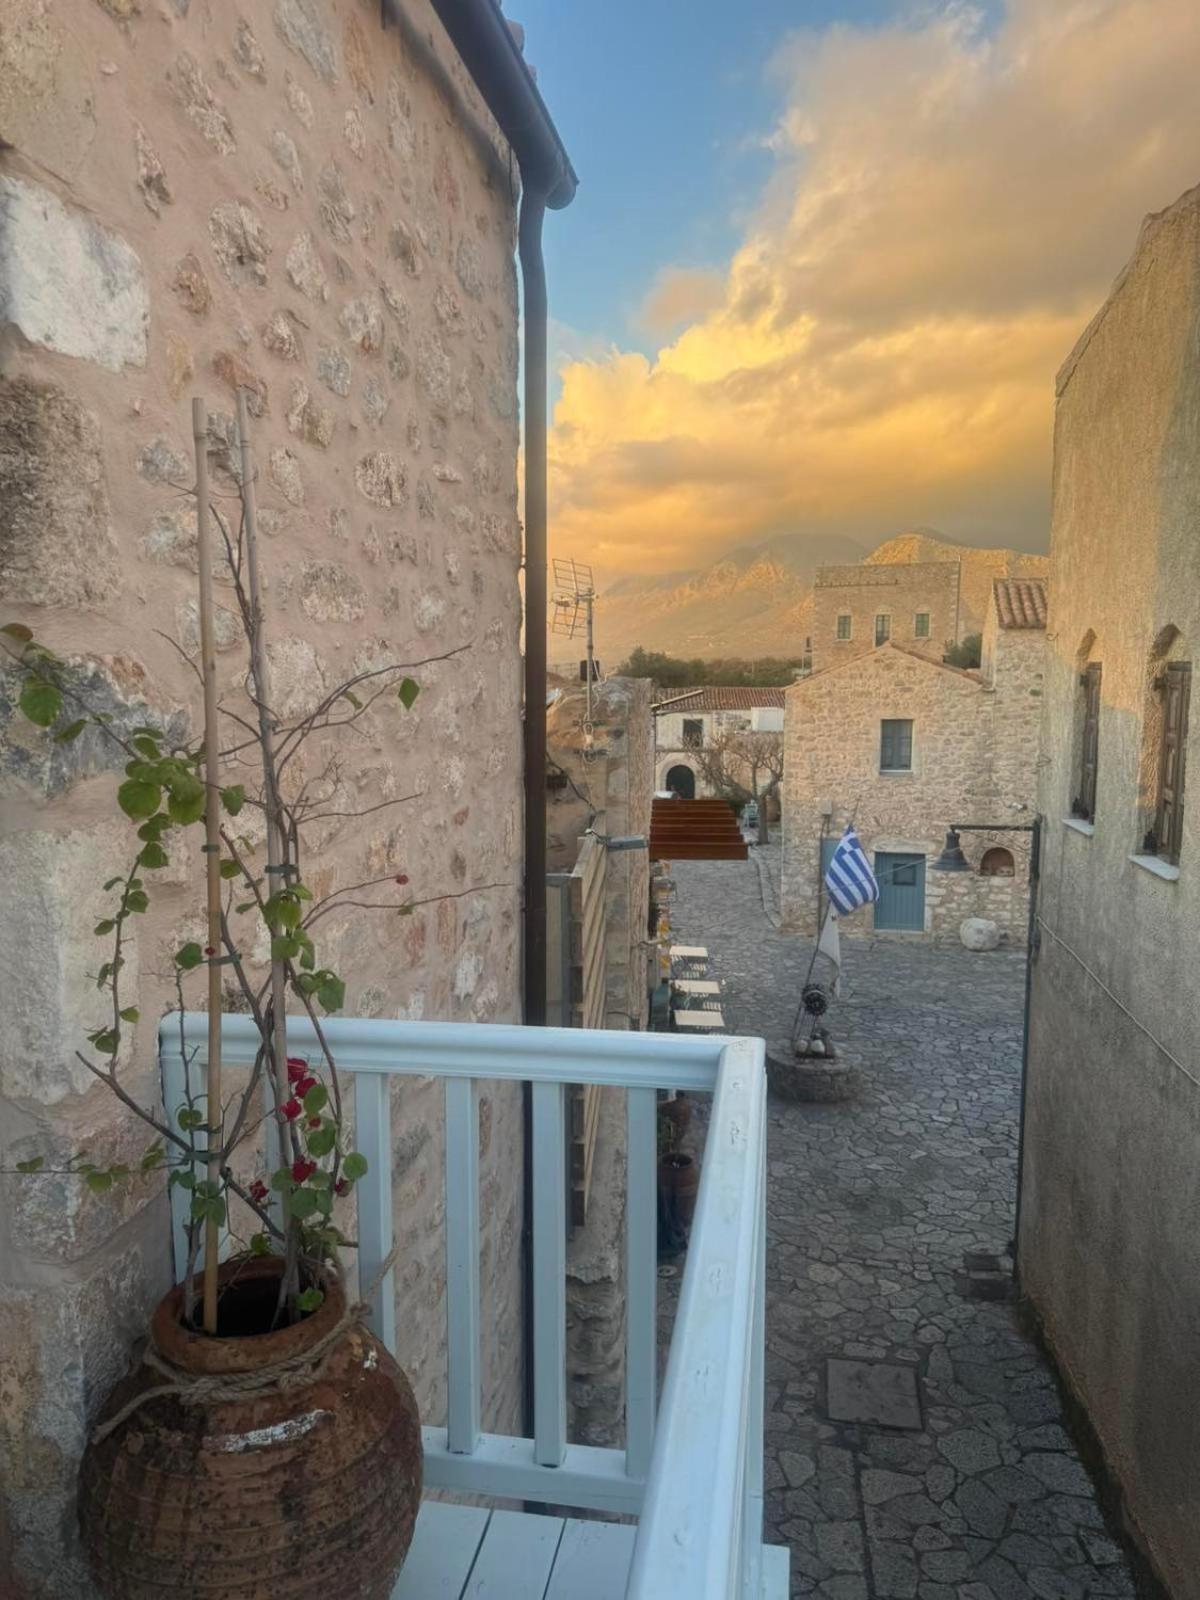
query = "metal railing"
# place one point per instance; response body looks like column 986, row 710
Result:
column 692, row 1474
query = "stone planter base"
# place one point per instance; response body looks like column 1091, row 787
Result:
column 822, row 1080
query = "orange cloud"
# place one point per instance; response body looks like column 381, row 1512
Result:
column 948, row 207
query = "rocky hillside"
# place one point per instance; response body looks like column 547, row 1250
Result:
column 755, row 600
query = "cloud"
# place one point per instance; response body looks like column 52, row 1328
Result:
column 679, row 295
column 947, row 207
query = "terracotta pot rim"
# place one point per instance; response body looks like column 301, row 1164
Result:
column 197, row 1352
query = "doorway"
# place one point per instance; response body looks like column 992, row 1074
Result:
column 901, row 903
column 682, row 781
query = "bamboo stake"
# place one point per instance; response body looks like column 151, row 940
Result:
column 212, row 857
column 266, row 732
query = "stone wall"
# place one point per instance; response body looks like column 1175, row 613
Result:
column 612, row 785
column 974, row 759
column 293, row 201
column 1109, row 1248
column 900, row 592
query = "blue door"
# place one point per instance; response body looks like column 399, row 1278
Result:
column 901, row 903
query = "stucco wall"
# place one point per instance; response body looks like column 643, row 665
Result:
column 963, row 771
column 294, row 200
column 863, row 592
column 1110, row 1250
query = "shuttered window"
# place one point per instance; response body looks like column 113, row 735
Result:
column 843, row 625
column 921, row 625
column 883, row 628
column 895, row 745
column 693, row 733
column 1085, row 801
column 1168, row 822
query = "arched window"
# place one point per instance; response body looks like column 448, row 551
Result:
column 1164, row 745
column 997, row 863
column 1087, row 731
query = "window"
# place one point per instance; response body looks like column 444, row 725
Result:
column 883, row 628
column 895, row 745
column 997, row 863
column 1084, row 804
column 1168, row 819
column 693, row 733
column 921, row 625
column 843, row 625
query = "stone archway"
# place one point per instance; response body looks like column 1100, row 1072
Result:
column 681, row 780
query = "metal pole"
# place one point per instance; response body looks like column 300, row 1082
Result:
column 1035, row 878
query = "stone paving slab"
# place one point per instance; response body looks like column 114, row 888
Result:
column 871, row 1207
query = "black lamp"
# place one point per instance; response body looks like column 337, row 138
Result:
column 951, row 858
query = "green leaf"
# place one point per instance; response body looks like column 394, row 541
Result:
column 113, row 882
column 408, row 692
column 325, row 1202
column 130, row 1014
column 186, row 800
column 153, row 830
column 71, row 731
column 35, row 1163
column 332, row 992
column 260, row 1245
column 354, row 1167
column 99, row 1182
column 348, row 694
column 284, row 947
column 40, row 701
column 103, row 927
column 136, row 900
column 321, row 1140
column 281, row 1179
column 229, row 869
column 233, row 799
column 316, row 1099
column 189, row 956
column 153, row 1157
column 302, row 1203
column 208, row 1208
column 182, row 1178
column 308, row 959
column 152, row 856
column 147, row 745
column 137, row 798
column 302, row 891
column 309, row 1299
column 106, row 1041
column 17, row 631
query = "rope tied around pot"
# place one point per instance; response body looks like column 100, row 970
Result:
column 290, row 1372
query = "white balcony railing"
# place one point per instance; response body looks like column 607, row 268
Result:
column 692, row 1474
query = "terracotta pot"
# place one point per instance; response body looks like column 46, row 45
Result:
column 291, row 1494
column 679, row 1180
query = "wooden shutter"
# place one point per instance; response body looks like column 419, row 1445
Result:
column 1169, row 820
column 1091, row 741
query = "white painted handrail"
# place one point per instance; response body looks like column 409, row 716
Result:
column 694, row 1475
column 700, row 1532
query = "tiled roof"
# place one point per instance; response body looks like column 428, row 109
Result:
column 711, row 698
column 1020, row 602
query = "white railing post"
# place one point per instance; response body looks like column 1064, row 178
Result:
column 549, row 1275
column 641, row 1278
column 373, row 1138
column 752, row 1529
column 462, row 1266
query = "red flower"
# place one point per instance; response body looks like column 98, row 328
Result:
column 290, row 1110
column 303, row 1085
column 258, row 1191
column 297, row 1068
column 303, row 1169
column 210, row 950
column 402, row 878
column 314, row 1122
column 342, row 1186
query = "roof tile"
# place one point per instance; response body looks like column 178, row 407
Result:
column 1020, row 602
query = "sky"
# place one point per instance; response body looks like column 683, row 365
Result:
column 827, row 256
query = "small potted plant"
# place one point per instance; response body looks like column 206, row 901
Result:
column 266, row 1444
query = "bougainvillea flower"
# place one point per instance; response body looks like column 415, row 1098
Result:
column 290, row 1110
column 342, row 1186
column 303, row 1085
column 258, row 1191
column 303, row 1169
column 297, row 1068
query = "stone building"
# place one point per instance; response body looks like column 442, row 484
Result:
column 906, row 746
column 688, row 720
column 603, row 784
column 1109, row 1248
column 855, row 609
column 302, row 203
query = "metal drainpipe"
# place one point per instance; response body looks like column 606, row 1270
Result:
column 1031, row 950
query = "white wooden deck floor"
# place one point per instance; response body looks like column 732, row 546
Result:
column 471, row 1553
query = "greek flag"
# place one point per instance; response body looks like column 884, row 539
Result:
column 849, row 878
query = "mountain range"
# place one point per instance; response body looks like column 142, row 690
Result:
column 754, row 601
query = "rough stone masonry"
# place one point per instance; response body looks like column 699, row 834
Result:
column 289, row 200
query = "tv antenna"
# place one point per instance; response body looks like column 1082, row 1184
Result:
column 572, row 607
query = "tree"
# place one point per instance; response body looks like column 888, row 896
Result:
column 967, row 652
column 676, row 672
column 741, row 766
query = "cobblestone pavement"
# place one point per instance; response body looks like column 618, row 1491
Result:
column 871, row 1205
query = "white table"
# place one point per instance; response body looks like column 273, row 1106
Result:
column 471, row 1553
